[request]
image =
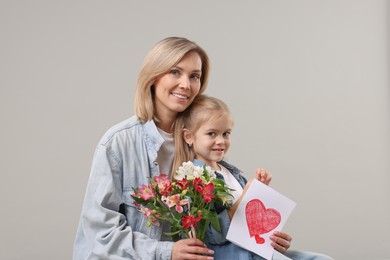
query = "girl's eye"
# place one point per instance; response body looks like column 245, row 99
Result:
column 226, row 134
column 211, row 134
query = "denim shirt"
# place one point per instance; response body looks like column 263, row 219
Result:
column 110, row 226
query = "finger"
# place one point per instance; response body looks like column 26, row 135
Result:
column 263, row 175
column 278, row 248
column 267, row 178
column 198, row 253
column 190, row 249
column 259, row 173
column 194, row 242
column 283, row 235
column 280, row 244
column 196, row 246
column 197, row 250
column 197, row 257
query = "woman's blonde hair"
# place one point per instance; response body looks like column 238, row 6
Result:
column 202, row 109
column 160, row 59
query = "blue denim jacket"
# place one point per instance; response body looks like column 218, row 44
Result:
column 110, row 226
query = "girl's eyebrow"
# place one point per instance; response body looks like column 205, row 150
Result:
column 218, row 130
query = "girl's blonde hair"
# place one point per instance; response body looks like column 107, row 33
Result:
column 160, row 59
column 202, row 109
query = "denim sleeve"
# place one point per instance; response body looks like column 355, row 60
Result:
column 215, row 237
column 104, row 232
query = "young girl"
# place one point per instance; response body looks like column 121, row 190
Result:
column 202, row 135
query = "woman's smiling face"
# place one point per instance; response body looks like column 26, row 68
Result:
column 175, row 90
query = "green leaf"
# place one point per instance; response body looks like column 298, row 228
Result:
column 215, row 224
column 172, row 233
column 218, row 182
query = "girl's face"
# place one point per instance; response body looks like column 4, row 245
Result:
column 175, row 90
column 211, row 141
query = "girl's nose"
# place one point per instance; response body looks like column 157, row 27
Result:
column 219, row 140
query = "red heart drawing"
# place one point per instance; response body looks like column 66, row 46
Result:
column 260, row 220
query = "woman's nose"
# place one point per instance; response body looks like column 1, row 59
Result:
column 185, row 82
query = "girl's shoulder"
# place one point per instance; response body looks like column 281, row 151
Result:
column 230, row 167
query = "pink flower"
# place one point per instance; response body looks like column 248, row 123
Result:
column 138, row 206
column 163, row 184
column 151, row 215
column 174, row 200
column 146, row 192
column 190, row 221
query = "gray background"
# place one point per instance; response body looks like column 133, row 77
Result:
column 307, row 82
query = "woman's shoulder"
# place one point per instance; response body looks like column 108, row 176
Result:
column 121, row 129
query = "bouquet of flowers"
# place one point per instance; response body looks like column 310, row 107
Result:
column 187, row 202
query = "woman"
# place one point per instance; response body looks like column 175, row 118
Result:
column 174, row 72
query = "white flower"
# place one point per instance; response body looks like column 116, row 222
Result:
column 189, row 171
column 211, row 172
column 186, row 170
column 197, row 172
column 227, row 200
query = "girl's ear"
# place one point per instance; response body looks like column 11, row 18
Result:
column 187, row 136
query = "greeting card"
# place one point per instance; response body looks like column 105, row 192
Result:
column 261, row 212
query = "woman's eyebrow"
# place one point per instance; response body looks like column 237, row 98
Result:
column 180, row 68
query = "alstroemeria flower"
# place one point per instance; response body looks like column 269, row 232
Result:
column 211, row 172
column 189, row 171
column 226, row 200
column 207, row 192
column 183, row 184
column 190, row 221
column 174, row 200
column 151, row 215
column 146, row 192
column 198, row 184
column 163, row 184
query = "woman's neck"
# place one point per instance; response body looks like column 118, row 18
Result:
column 165, row 126
column 165, row 123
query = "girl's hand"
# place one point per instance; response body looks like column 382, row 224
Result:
column 191, row 248
column 280, row 241
column 263, row 176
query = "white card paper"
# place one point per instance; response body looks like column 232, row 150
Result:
column 261, row 212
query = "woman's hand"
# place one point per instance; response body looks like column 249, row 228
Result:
column 280, row 241
column 191, row 248
column 263, row 176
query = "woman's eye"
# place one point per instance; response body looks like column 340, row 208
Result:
column 175, row 72
column 195, row 77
